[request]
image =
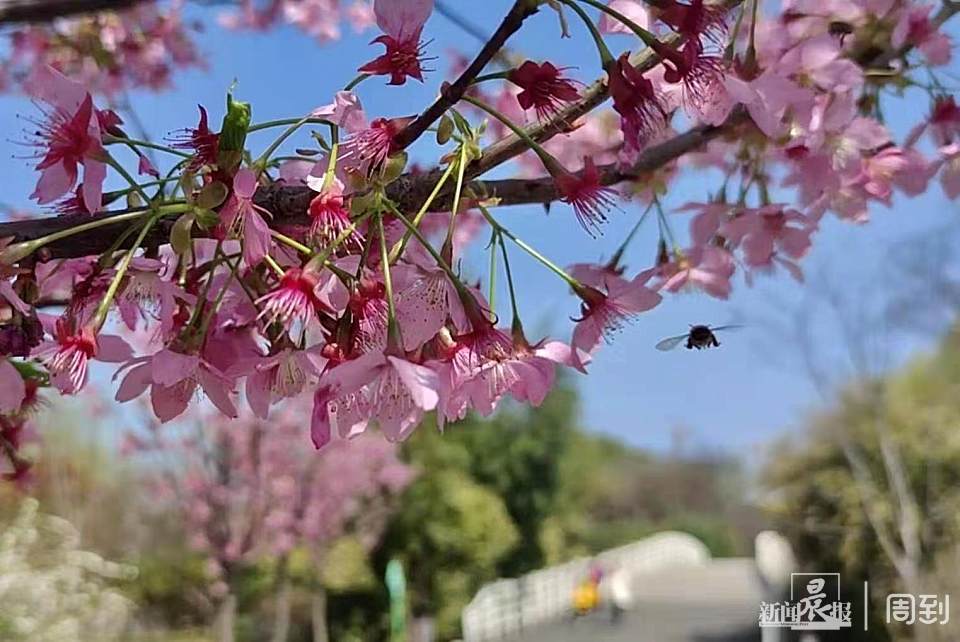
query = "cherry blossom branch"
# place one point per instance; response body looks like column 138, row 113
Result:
column 592, row 97
column 451, row 94
column 289, row 204
column 28, row 11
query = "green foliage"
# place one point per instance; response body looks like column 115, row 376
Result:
column 167, row 588
column 822, row 506
column 450, row 535
column 347, row 567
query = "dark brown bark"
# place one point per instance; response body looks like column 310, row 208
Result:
column 33, row 11
column 288, row 204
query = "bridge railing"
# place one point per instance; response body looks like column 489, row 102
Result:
column 505, row 607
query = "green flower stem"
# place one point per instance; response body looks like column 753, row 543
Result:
column 287, row 121
column 665, row 225
column 287, row 133
column 202, row 299
column 401, row 245
column 127, row 190
column 289, row 242
column 640, row 32
column 112, row 162
column 393, row 330
column 133, row 142
column 729, row 53
column 429, row 248
column 499, row 75
column 217, row 302
column 506, row 267
column 615, row 259
column 331, row 172
column 458, row 192
column 100, row 316
column 752, row 47
column 605, row 56
column 274, row 265
column 548, row 161
column 320, row 259
column 492, row 290
column 553, row 267
column 356, row 81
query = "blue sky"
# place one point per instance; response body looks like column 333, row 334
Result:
column 740, row 396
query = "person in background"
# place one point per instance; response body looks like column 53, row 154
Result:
column 586, row 595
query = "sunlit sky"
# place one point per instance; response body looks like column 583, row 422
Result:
column 737, row 397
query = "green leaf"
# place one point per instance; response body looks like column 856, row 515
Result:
column 394, row 167
column 233, row 133
column 206, row 219
column 212, row 195
column 444, row 130
column 29, row 370
column 236, row 122
column 180, row 233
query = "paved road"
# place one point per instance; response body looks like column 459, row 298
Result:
column 715, row 603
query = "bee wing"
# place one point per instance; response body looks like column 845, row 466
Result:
column 735, row 326
column 671, row 343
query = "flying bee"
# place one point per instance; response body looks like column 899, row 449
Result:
column 699, row 337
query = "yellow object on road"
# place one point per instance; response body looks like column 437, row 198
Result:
column 586, row 597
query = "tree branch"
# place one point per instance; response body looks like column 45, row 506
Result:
column 594, row 96
column 451, row 94
column 28, row 11
column 289, row 204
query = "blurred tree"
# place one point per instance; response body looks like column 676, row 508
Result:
column 450, row 535
column 51, row 590
column 850, row 515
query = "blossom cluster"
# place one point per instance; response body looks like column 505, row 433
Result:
column 320, row 19
column 245, row 493
column 138, row 47
column 335, row 271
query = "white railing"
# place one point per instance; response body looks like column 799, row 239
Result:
column 505, row 607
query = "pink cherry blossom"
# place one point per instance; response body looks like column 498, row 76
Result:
column 763, row 232
column 392, row 391
column 950, row 174
column 148, row 293
column 69, row 136
column 345, row 111
column 173, row 378
column 425, row 304
column 243, row 218
column 402, row 23
column 368, row 149
column 915, row 28
column 603, row 314
column 330, row 216
column 641, row 114
column 204, row 143
column 543, row 88
column 71, row 350
column 708, row 268
column 294, row 301
column 283, row 375
column 588, row 197
column 635, row 10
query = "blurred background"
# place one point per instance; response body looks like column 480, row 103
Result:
column 663, row 497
